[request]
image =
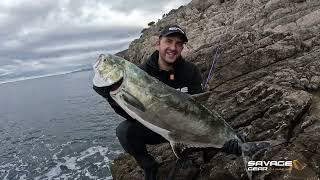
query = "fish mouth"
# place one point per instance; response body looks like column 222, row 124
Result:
column 116, row 86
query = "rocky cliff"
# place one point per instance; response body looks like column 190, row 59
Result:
column 266, row 82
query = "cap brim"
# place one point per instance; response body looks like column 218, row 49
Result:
column 184, row 37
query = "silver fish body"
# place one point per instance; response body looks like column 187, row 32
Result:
column 176, row 116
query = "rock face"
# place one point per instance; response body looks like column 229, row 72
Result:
column 266, row 82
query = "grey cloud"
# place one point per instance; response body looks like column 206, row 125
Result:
column 126, row 6
column 25, row 13
column 61, row 34
column 61, row 37
column 149, row 6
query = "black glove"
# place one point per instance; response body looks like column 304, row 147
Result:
column 105, row 92
column 102, row 91
column 232, row 147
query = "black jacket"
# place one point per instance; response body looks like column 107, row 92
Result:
column 185, row 74
column 185, row 77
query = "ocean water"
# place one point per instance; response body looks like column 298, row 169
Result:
column 56, row 128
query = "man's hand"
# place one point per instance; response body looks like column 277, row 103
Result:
column 232, row 146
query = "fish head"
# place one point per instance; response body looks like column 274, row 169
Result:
column 108, row 71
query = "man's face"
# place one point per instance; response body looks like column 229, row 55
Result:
column 170, row 48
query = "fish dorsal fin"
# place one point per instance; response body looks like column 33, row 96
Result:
column 201, row 96
column 178, row 148
column 133, row 101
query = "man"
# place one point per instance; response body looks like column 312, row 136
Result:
column 167, row 65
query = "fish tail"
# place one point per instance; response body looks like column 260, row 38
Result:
column 251, row 149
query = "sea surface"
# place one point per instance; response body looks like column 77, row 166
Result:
column 56, row 127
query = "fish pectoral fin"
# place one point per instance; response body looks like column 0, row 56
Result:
column 178, row 148
column 133, row 101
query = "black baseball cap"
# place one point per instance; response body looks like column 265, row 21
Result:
column 171, row 29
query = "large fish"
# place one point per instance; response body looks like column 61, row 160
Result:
column 176, row 116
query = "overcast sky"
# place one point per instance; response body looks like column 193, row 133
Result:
column 60, row 35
